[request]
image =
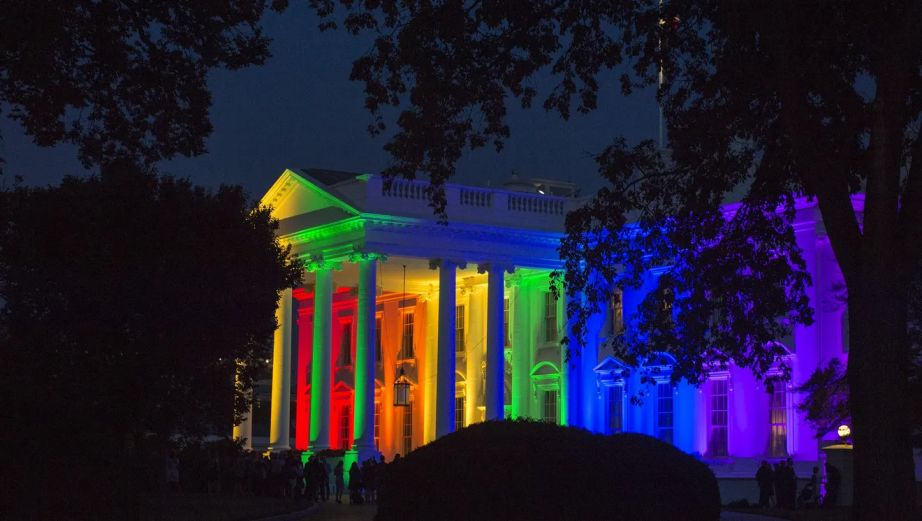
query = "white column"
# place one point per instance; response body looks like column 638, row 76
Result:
column 495, row 343
column 364, row 416
column 281, row 376
column 321, row 361
column 521, row 393
column 445, row 386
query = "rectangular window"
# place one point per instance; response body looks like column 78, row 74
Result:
column 459, row 329
column 378, row 354
column 345, row 344
column 615, row 409
column 778, row 418
column 717, row 437
column 550, row 406
column 406, row 343
column 459, row 412
column 506, row 341
column 550, row 317
column 344, row 428
column 377, row 425
column 616, row 313
column 407, row 429
column 664, row 411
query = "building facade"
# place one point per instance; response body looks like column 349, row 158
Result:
column 464, row 312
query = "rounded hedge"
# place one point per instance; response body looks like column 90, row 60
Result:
column 528, row 470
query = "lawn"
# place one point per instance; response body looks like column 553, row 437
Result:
column 805, row 514
column 205, row 507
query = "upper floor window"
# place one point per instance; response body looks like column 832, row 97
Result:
column 378, row 353
column 506, row 341
column 778, row 418
column 345, row 344
column 616, row 313
column 550, row 317
column 664, row 411
column 615, row 409
column 459, row 329
column 406, row 343
column 719, row 418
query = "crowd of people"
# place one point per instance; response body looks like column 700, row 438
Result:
column 245, row 473
column 778, row 486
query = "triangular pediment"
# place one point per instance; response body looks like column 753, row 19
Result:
column 610, row 365
column 297, row 193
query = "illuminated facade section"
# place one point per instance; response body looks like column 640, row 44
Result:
column 464, row 312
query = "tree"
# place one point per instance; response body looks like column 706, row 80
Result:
column 133, row 305
column 122, row 79
column 773, row 100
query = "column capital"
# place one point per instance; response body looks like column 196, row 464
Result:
column 361, row 255
column 484, row 267
column 318, row 263
column 438, row 263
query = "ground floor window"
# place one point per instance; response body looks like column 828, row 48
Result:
column 615, row 409
column 377, row 425
column 407, row 429
column 459, row 412
column 717, row 435
column 778, row 418
column 664, row 412
column 344, row 418
column 550, row 406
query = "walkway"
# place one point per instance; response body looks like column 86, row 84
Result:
column 739, row 516
column 330, row 511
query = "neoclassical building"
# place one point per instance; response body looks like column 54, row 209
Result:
column 463, row 312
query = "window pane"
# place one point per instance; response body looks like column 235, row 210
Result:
column 406, row 346
column 664, row 411
column 408, row 429
column 459, row 329
column 717, row 432
column 550, row 317
column 778, row 414
column 459, row 412
column 615, row 409
column 378, row 355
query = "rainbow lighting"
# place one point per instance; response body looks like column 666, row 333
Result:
column 465, row 313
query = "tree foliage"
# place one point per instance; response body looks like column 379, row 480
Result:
column 125, row 78
column 135, row 306
column 766, row 101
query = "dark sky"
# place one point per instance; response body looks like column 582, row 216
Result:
column 301, row 110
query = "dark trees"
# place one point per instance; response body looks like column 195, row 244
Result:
column 771, row 100
column 131, row 303
column 122, row 79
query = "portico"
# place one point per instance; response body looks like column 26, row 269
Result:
column 387, row 288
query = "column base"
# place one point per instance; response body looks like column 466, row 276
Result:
column 278, row 448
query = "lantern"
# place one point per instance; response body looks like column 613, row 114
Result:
column 844, row 431
column 402, row 390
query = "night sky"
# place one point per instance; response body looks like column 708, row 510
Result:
column 300, row 110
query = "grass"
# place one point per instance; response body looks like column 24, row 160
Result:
column 806, row 514
column 205, row 507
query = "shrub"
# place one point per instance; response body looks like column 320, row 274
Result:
column 509, row 470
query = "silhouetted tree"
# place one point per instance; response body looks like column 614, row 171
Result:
column 137, row 308
column 125, row 78
column 770, row 100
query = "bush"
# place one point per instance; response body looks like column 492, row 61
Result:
column 508, row 470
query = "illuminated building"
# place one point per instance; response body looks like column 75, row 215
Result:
column 464, row 310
